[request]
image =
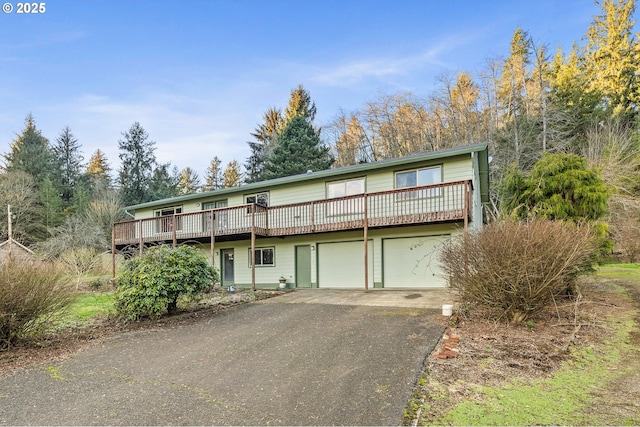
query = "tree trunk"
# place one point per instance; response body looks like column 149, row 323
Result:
column 172, row 306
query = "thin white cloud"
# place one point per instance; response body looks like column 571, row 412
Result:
column 354, row 72
column 187, row 132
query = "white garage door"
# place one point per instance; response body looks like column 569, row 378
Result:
column 412, row 262
column 341, row 265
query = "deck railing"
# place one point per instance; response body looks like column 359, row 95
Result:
column 414, row 205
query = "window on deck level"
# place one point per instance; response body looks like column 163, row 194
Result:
column 164, row 224
column 345, row 188
column 260, row 199
column 220, row 216
column 419, row 177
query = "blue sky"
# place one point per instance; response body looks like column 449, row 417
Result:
column 198, row 75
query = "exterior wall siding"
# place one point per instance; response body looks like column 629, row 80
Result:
column 454, row 169
column 267, row 276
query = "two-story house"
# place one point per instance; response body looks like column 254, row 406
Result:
column 312, row 228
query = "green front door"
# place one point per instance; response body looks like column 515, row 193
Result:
column 303, row 266
column 227, row 267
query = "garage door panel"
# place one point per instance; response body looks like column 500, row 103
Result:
column 341, row 265
column 412, row 262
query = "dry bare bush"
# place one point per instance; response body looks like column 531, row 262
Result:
column 31, row 293
column 516, row 269
column 624, row 224
column 80, row 262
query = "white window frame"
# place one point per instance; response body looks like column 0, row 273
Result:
column 262, row 250
column 164, row 226
column 430, row 192
column 256, row 197
column 339, row 207
column 221, row 217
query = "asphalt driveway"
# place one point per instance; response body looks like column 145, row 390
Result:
column 257, row 364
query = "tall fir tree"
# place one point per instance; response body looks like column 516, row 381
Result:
column 82, row 196
column 299, row 149
column 137, row 161
column 265, row 135
column 98, row 164
column 51, row 203
column 232, row 177
column 30, row 153
column 98, row 172
column 213, row 180
column 68, row 164
column 164, row 182
column 189, row 182
column 300, row 104
column 611, row 58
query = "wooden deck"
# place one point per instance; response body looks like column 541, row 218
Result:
column 415, row 205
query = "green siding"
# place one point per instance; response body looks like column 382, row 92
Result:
column 454, row 169
column 267, row 276
column 305, row 192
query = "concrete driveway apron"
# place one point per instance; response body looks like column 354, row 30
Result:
column 274, row 363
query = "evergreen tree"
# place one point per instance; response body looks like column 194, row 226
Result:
column 68, row 163
column 164, row 182
column 232, row 176
column 189, row 181
column 98, row 171
column 611, row 58
column 137, row 161
column 265, row 135
column 98, row 164
column 51, row 202
column 572, row 106
column 300, row 104
column 30, row 153
column 299, row 149
column 213, row 180
column 81, row 197
column 559, row 187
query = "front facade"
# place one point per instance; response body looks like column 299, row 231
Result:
column 312, row 228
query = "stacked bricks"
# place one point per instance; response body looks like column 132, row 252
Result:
column 449, row 347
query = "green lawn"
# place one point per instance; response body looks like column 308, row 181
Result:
column 569, row 396
column 85, row 310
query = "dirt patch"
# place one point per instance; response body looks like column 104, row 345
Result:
column 59, row 346
column 492, row 353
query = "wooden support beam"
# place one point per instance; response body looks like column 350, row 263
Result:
column 213, row 240
column 253, row 247
column 366, row 247
column 113, row 252
column 174, row 243
column 141, row 244
column 466, row 207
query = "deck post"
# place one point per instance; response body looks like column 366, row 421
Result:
column 213, row 242
column 113, row 251
column 466, row 207
column 313, row 222
column 174, row 243
column 253, row 247
column 141, row 240
column 366, row 246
